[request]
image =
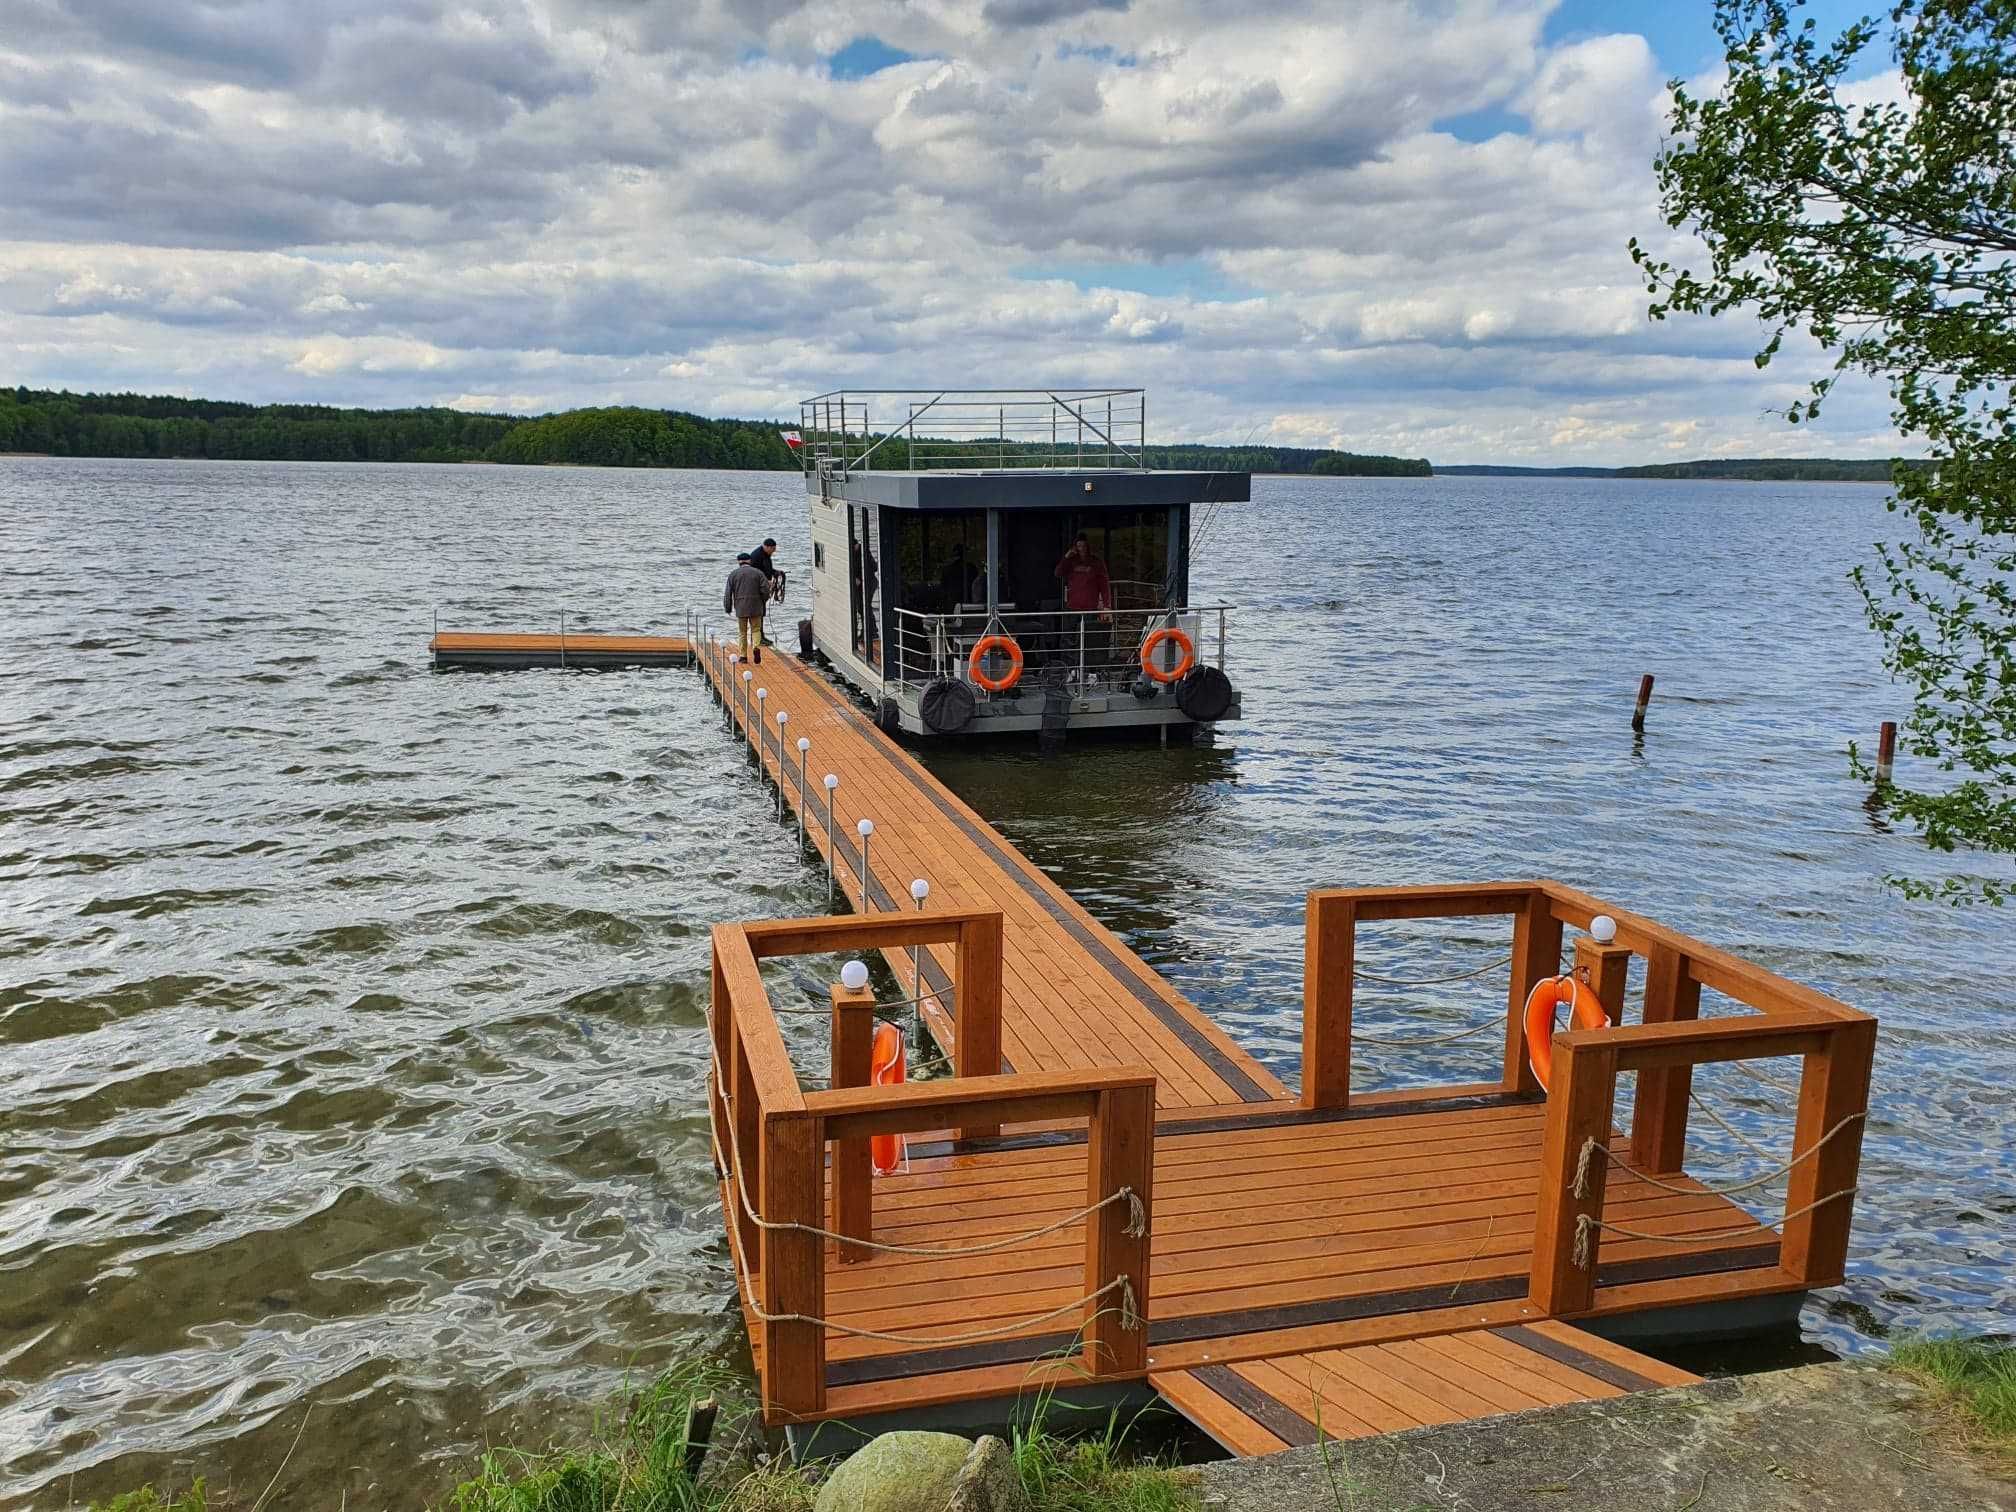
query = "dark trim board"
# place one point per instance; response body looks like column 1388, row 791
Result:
column 1297, row 1315
column 1567, row 1354
column 1270, row 1412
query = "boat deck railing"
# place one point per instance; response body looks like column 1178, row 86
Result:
column 973, row 430
column 1090, row 650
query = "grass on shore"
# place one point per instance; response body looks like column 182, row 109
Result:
column 634, row 1460
column 1976, row 1378
column 1092, row 1473
column 147, row 1499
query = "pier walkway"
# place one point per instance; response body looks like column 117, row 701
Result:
column 1110, row 1193
column 1076, row 996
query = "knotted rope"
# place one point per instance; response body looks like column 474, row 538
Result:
column 1130, row 1313
column 1587, row 1224
column 1135, row 1228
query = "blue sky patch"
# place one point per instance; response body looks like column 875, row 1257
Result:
column 1482, row 125
column 1191, row 277
column 864, row 56
column 1683, row 35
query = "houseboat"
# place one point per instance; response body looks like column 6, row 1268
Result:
column 1006, row 562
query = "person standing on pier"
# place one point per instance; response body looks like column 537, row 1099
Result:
column 746, row 597
column 761, row 559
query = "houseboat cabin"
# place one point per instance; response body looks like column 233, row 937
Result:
column 1005, row 561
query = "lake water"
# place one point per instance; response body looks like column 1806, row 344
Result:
column 351, row 1043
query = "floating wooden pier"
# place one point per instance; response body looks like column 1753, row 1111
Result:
column 1109, row 1195
column 498, row 652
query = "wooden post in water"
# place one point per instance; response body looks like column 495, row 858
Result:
column 1644, row 699
column 1886, row 752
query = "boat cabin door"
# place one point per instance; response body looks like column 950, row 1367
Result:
column 864, row 583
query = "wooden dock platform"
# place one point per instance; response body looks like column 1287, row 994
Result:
column 1109, row 1192
column 498, row 651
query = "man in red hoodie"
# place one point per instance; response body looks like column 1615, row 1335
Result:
column 1083, row 574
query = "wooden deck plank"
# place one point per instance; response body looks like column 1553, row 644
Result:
column 1258, row 1406
column 1235, row 1431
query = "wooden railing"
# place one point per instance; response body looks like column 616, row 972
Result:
column 772, row 1137
column 1836, row 1042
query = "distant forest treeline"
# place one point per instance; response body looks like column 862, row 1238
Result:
column 1746, row 469
column 141, row 425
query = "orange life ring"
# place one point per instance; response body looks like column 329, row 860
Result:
column 986, row 647
column 1183, row 663
column 1584, row 1012
column 885, row 1062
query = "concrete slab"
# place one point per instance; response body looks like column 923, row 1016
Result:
column 1839, row 1435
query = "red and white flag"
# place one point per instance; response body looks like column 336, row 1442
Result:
column 792, row 439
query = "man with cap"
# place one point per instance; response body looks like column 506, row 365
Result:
column 746, row 596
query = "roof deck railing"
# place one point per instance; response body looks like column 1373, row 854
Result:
column 973, row 430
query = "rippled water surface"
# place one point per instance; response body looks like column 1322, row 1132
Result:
column 351, row 1016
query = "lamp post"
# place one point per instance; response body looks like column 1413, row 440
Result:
column 919, row 891
column 832, row 855
column 783, row 719
column 804, row 749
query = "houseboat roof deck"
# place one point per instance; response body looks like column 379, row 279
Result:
column 1014, row 488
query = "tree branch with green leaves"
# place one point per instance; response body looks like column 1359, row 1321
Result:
column 1886, row 231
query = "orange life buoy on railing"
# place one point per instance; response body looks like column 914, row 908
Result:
column 1184, row 662
column 988, row 645
column 885, row 1062
column 1584, row 1012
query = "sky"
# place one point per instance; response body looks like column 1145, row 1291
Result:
column 1382, row 226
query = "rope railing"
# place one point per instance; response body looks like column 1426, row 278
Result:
column 893, row 1004
column 1129, row 1306
column 1136, row 1227
column 1494, row 1022
column 1436, row 981
column 1130, row 1312
column 1587, row 1224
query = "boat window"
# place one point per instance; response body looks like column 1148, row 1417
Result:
column 942, row 559
column 1135, row 545
column 818, row 554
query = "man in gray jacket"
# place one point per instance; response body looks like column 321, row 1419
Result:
column 747, row 593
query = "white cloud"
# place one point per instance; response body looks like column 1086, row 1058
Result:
column 538, row 203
